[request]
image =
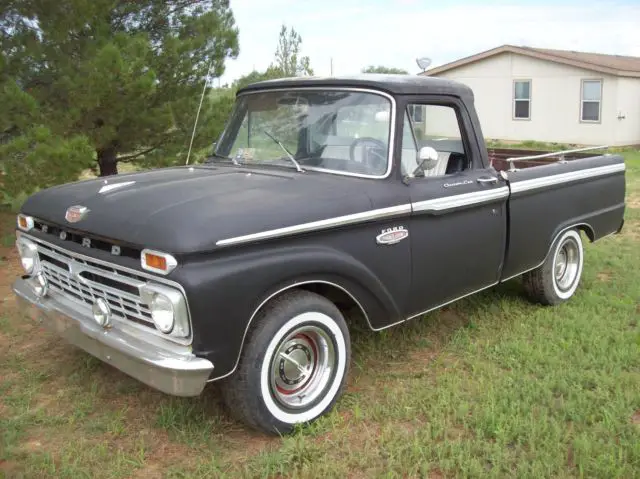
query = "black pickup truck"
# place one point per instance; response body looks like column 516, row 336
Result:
column 322, row 196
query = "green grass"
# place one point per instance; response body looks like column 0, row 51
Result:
column 492, row 386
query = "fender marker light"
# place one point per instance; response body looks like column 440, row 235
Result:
column 157, row 261
column 25, row 223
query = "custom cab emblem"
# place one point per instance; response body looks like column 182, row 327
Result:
column 392, row 235
column 76, row 213
column 457, row 183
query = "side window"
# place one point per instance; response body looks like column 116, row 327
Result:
column 591, row 98
column 438, row 127
column 522, row 100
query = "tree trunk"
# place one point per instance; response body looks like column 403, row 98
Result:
column 107, row 161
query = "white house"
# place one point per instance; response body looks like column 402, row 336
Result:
column 524, row 93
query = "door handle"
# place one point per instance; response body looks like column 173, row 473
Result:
column 493, row 179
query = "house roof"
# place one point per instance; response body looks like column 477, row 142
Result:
column 612, row 64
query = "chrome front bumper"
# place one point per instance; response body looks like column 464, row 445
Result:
column 177, row 373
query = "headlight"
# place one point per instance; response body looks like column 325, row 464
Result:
column 162, row 313
column 28, row 254
column 168, row 309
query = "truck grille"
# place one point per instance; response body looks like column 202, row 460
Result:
column 83, row 281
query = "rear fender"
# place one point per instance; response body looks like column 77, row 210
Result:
column 546, row 200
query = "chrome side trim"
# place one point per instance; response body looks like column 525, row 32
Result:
column 392, row 125
column 437, row 204
column 545, row 181
column 522, row 272
column 459, row 201
column 319, row 225
column 437, row 307
column 282, row 290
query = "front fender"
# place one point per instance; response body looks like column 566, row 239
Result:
column 224, row 293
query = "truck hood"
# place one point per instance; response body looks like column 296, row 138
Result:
column 184, row 210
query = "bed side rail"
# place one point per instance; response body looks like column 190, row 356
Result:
column 560, row 154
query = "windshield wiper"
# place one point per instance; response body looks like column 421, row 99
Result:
column 284, row 148
column 215, row 155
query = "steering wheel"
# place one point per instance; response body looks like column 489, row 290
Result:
column 371, row 155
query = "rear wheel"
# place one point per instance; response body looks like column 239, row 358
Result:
column 557, row 279
column 294, row 364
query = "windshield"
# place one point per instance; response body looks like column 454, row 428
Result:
column 345, row 132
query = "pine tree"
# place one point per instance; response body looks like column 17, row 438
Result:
column 124, row 75
column 383, row 69
column 287, row 61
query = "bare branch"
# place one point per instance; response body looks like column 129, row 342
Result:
column 136, row 155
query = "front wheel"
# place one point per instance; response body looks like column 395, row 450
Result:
column 557, row 279
column 294, row 364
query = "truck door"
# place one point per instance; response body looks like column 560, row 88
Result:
column 458, row 224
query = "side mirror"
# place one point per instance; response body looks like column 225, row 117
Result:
column 427, row 158
column 213, row 147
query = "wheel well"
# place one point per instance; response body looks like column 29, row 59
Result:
column 350, row 308
column 587, row 230
column 347, row 304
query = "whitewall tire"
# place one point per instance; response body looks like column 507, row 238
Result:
column 557, row 279
column 294, row 364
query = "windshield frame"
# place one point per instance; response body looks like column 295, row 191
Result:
column 392, row 127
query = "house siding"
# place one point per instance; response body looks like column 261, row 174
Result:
column 555, row 101
column 628, row 129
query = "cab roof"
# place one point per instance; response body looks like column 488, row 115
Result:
column 394, row 84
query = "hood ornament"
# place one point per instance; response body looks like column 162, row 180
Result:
column 76, row 213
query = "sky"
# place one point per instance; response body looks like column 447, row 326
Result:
column 394, row 33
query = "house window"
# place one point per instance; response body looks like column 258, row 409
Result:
column 522, row 99
column 591, row 100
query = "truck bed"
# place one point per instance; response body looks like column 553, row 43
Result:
column 550, row 192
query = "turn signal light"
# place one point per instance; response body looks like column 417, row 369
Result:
column 157, row 261
column 25, row 223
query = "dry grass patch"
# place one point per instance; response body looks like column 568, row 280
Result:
column 605, row 276
column 633, row 201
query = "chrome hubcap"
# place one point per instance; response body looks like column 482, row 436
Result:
column 302, row 367
column 567, row 264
